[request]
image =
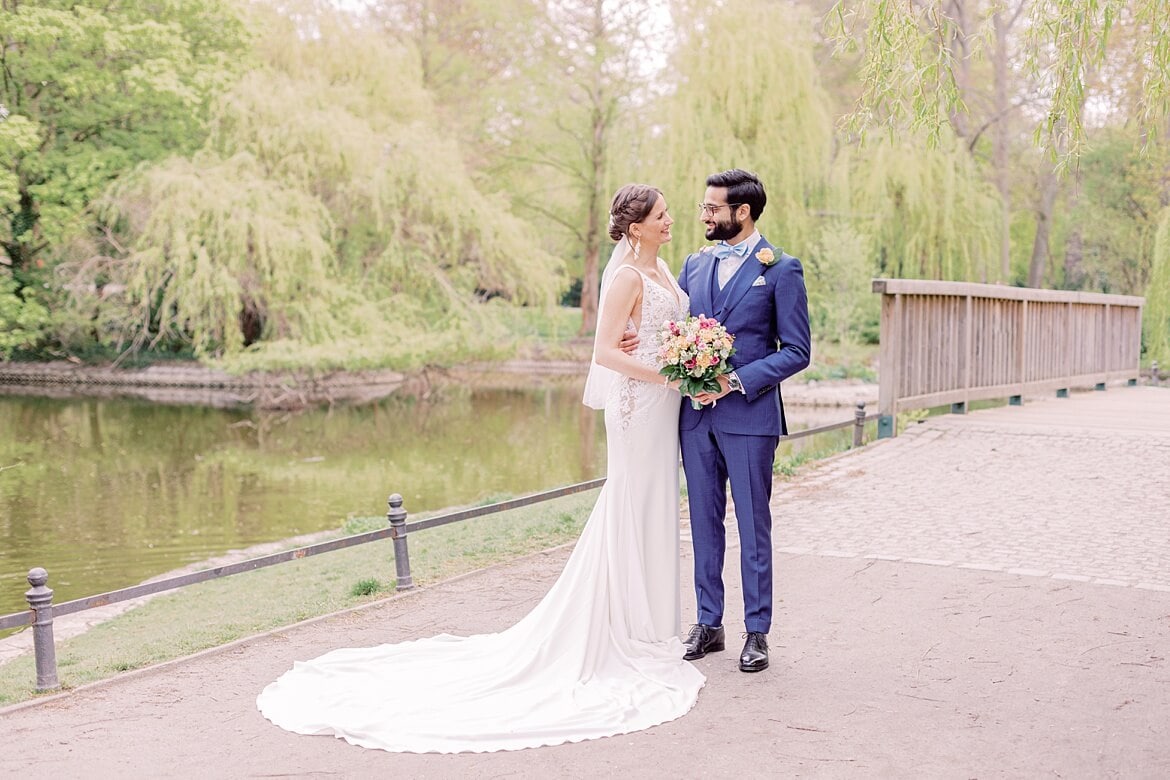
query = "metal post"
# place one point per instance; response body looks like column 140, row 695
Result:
column 859, row 424
column 40, row 601
column 1154, row 378
column 397, row 518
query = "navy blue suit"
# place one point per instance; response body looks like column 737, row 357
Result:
column 736, row 439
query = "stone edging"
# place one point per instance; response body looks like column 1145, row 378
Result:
column 197, row 384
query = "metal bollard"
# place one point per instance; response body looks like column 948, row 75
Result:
column 1154, row 378
column 397, row 518
column 40, row 601
column 859, row 424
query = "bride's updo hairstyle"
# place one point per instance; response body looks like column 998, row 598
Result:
column 632, row 203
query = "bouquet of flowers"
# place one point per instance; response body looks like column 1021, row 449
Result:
column 695, row 351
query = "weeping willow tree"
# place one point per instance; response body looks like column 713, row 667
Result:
column 1157, row 313
column 929, row 209
column 220, row 252
column 899, row 206
column 909, row 72
column 899, row 209
column 327, row 222
column 749, row 99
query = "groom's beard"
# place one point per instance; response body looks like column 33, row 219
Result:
column 721, row 231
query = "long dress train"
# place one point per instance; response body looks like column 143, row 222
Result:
column 598, row 656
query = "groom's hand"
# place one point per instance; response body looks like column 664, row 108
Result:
column 629, row 341
column 710, row 398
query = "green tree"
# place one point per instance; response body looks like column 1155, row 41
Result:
column 91, row 89
column 568, row 124
column 1156, row 322
column 467, row 48
column 842, row 306
column 911, row 71
column 912, row 210
column 728, row 111
column 321, row 224
column 929, row 208
column 22, row 319
column 1116, row 213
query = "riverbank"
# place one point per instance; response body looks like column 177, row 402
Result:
column 192, row 383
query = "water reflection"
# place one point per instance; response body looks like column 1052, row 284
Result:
column 105, row 493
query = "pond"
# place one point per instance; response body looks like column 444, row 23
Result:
column 105, row 493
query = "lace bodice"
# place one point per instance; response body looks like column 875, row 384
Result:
column 659, row 305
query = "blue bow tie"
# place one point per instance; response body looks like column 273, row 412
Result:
column 723, row 249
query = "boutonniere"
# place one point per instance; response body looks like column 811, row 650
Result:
column 766, row 257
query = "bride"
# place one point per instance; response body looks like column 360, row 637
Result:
column 600, row 654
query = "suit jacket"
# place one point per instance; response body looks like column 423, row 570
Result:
column 769, row 320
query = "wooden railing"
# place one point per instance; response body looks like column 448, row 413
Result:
column 957, row 342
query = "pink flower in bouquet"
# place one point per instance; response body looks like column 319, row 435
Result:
column 695, row 352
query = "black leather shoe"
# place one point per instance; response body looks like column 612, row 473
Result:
column 754, row 657
column 702, row 640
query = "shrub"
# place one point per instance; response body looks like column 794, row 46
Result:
column 22, row 319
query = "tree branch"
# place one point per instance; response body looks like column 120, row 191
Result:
column 547, row 162
column 557, row 218
column 995, row 118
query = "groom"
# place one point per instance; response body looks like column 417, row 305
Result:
column 757, row 292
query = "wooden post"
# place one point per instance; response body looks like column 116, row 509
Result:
column 890, row 366
column 1022, row 343
column 968, row 354
column 1104, row 349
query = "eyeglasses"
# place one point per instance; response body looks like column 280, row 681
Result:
column 709, row 209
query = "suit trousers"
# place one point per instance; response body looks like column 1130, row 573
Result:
column 710, row 459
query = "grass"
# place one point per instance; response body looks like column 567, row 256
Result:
column 792, row 454
column 553, row 323
column 220, row 611
column 367, row 587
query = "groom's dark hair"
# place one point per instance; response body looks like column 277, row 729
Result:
column 742, row 187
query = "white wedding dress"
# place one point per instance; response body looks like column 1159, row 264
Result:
column 598, row 656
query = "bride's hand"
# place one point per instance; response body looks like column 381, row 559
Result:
column 629, row 341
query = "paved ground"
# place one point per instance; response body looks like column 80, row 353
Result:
column 985, row 596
